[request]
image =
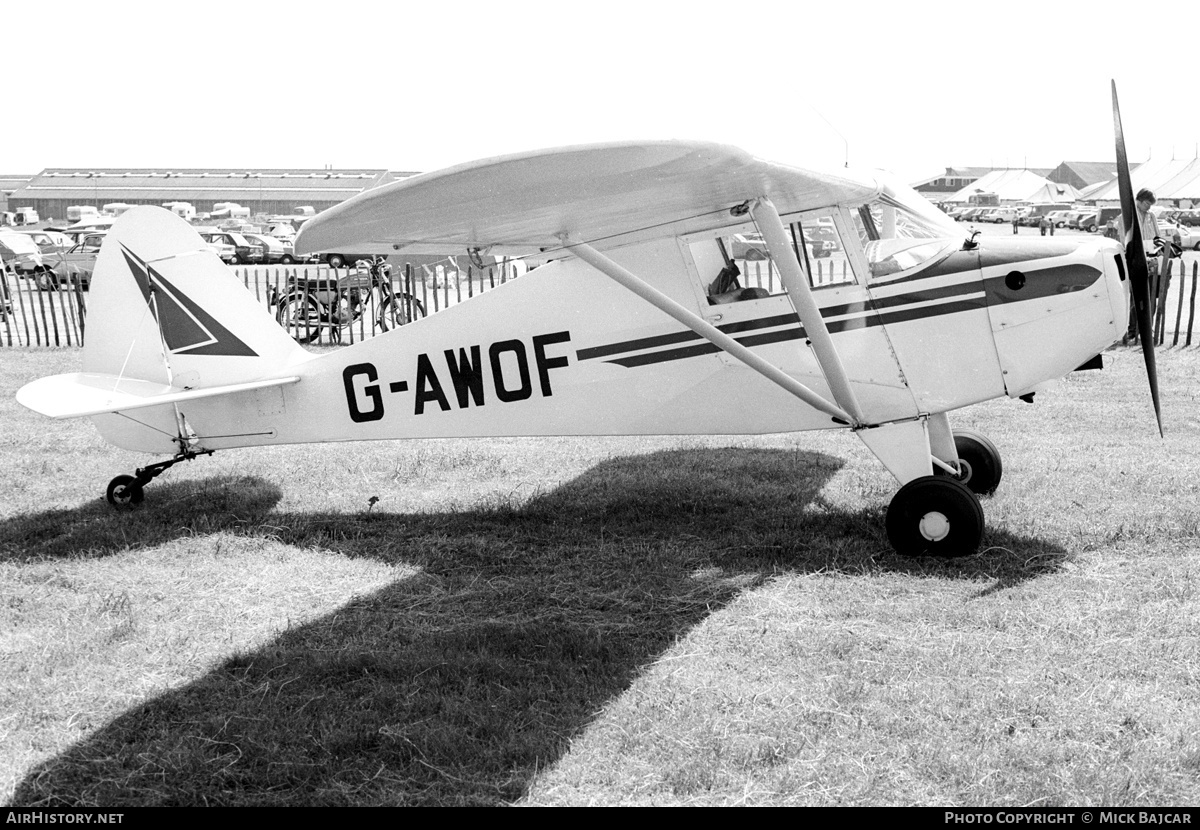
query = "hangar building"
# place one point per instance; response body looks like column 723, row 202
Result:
column 53, row 190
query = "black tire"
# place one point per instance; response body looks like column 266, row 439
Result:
column 336, row 261
column 300, row 315
column 394, row 312
column 935, row 516
column 124, row 491
column 45, row 281
column 287, row 259
column 979, row 461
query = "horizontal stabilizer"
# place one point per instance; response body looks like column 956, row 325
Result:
column 93, row 393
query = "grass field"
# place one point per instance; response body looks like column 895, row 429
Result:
column 709, row 621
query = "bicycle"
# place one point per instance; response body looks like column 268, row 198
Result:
column 309, row 306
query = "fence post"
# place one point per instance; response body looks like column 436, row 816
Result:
column 1179, row 311
column 24, row 318
column 45, row 323
column 68, row 313
column 6, row 305
column 1191, row 304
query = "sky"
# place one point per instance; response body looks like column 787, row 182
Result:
column 907, row 87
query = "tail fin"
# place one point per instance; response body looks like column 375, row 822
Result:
column 164, row 308
column 167, row 324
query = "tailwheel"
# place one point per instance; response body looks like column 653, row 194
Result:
column 978, row 462
column 935, row 516
column 125, row 491
column 128, row 491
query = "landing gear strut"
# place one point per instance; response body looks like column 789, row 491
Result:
column 127, row 491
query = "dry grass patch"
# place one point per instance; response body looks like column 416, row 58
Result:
column 651, row 621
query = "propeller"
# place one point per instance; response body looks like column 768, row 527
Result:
column 1135, row 261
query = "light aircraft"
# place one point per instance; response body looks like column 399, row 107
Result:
column 639, row 320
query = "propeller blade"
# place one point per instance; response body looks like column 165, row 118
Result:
column 1135, row 261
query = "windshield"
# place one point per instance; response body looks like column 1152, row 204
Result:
column 899, row 230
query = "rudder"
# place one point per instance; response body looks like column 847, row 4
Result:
column 163, row 307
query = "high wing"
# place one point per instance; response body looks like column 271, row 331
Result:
column 603, row 194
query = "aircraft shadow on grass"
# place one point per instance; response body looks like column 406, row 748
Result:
column 456, row 685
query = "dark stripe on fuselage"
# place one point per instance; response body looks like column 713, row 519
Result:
column 879, row 311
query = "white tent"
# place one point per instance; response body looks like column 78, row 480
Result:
column 1054, row 193
column 1009, row 186
column 1174, row 179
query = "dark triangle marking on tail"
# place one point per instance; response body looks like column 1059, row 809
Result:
column 186, row 327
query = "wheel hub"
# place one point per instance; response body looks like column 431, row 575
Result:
column 964, row 470
column 935, row 526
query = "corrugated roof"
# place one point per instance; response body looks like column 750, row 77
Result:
column 321, row 185
column 13, row 181
column 1091, row 172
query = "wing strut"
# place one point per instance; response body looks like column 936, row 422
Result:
column 702, row 327
column 774, row 234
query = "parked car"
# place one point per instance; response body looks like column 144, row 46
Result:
column 224, row 250
column 1059, row 218
column 49, row 242
column 1000, row 215
column 75, row 265
column 244, row 252
column 1188, row 237
column 276, row 250
column 337, row 260
column 21, row 254
column 748, row 247
column 1034, row 216
column 1191, row 217
column 1084, row 220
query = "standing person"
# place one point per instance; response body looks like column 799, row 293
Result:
column 1146, row 220
column 1043, row 224
column 1015, row 218
column 1151, row 242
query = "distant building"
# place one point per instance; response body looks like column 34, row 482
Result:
column 1083, row 174
column 1013, row 186
column 9, row 184
column 952, row 181
column 272, row 191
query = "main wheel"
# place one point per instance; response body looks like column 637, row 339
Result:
column 124, row 491
column 979, row 461
column 397, row 310
column 299, row 314
column 935, row 516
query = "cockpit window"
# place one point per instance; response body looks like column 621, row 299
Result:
column 899, row 231
column 736, row 267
